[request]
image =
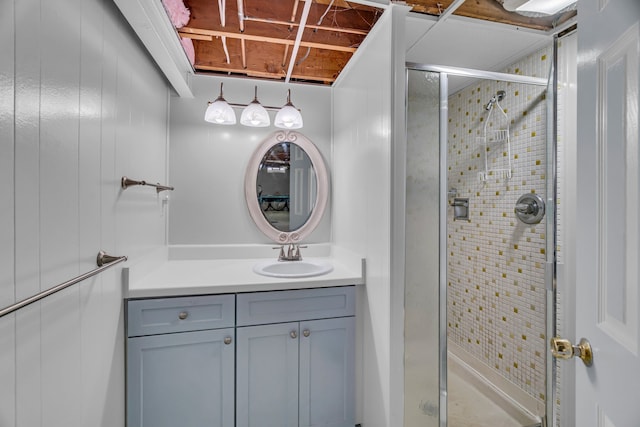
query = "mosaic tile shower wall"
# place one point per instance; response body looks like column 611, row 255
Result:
column 496, row 289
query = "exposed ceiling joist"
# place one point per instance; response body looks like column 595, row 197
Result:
column 209, row 35
column 298, row 42
column 270, row 39
column 261, row 37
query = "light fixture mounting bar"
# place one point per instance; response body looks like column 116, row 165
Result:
column 265, row 107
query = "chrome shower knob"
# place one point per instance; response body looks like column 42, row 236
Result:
column 530, row 208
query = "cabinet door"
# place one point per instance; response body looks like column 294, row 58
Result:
column 267, row 376
column 327, row 392
column 184, row 379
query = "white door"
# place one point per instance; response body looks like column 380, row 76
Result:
column 302, row 187
column 607, row 297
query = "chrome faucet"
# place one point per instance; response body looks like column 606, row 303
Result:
column 292, row 254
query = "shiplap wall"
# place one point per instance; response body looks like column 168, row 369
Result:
column 81, row 104
column 363, row 147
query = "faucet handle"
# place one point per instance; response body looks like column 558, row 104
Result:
column 281, row 255
column 298, row 254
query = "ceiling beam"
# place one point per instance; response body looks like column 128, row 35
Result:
column 296, row 45
column 198, row 32
column 266, row 74
column 311, row 26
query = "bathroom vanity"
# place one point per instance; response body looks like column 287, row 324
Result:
column 219, row 340
column 271, row 358
column 211, row 342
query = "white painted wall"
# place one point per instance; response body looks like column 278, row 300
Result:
column 81, row 104
column 469, row 43
column 363, row 138
column 208, row 161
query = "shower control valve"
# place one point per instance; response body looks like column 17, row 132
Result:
column 529, row 208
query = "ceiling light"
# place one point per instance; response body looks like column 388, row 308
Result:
column 288, row 117
column 547, row 7
column 254, row 114
column 220, row 112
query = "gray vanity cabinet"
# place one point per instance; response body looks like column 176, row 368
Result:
column 295, row 358
column 267, row 375
column 180, row 362
column 327, row 383
column 259, row 359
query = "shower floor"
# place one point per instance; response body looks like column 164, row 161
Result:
column 470, row 404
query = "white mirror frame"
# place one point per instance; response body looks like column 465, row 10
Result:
column 251, row 194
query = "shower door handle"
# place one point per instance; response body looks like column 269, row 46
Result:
column 563, row 349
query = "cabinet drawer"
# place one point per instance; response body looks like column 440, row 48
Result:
column 287, row 306
column 167, row 315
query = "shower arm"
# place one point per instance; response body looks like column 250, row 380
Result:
column 499, row 96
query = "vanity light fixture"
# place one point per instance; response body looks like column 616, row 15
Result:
column 288, row 117
column 220, row 112
column 254, row 114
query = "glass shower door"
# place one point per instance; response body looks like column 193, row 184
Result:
column 494, row 268
column 422, row 406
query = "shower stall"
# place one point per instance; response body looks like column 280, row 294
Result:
column 479, row 264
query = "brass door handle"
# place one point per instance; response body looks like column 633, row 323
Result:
column 563, row 349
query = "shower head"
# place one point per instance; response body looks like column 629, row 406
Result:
column 490, row 103
column 499, row 96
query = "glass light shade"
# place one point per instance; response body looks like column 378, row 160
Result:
column 288, row 117
column 221, row 113
column 255, row 115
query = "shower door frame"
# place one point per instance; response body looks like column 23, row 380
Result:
column 550, row 308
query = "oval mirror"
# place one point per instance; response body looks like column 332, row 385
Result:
column 286, row 186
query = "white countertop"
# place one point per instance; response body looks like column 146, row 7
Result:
column 176, row 277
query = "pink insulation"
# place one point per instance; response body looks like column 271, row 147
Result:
column 187, row 45
column 177, row 11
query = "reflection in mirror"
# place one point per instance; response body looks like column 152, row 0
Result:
column 286, row 186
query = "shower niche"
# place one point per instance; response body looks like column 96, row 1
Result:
column 460, row 208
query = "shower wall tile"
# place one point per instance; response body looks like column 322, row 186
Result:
column 496, row 263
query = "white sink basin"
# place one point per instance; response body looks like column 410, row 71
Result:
column 293, row 269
